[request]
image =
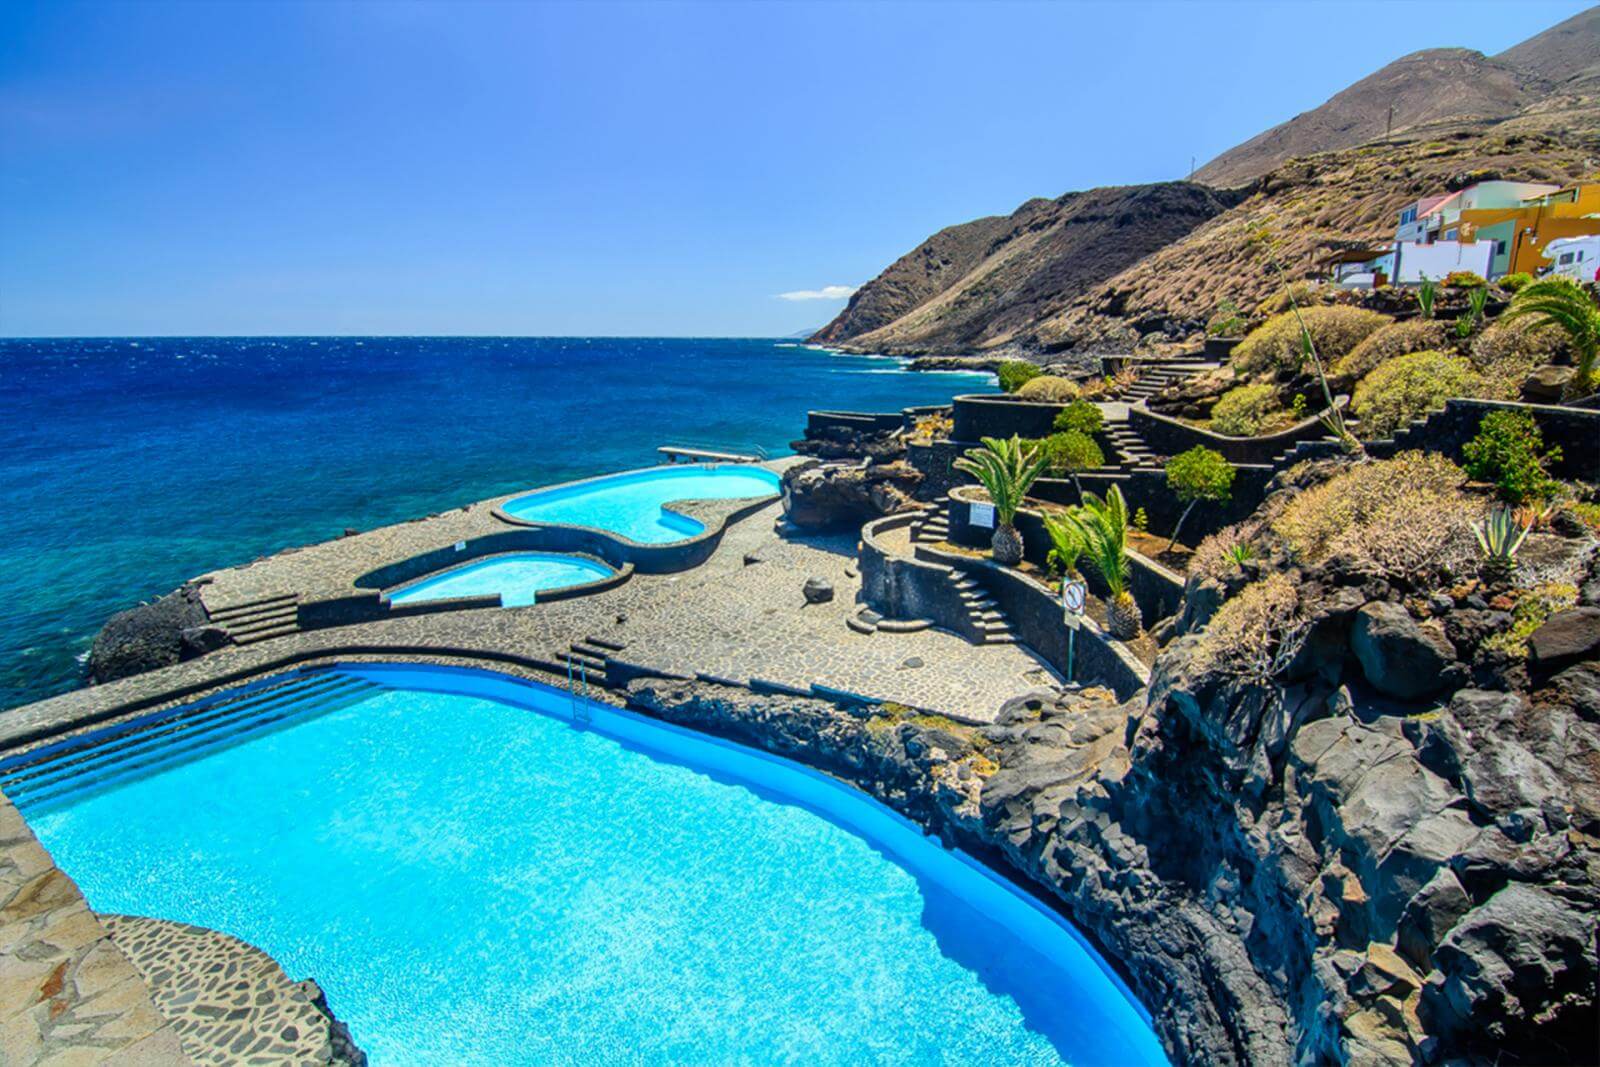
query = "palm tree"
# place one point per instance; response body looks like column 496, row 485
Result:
column 1066, row 541
column 1006, row 469
column 1564, row 304
column 1103, row 526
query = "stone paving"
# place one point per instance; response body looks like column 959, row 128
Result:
column 68, row 995
column 229, row 1002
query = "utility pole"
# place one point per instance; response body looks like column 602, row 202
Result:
column 1388, row 127
column 1191, row 168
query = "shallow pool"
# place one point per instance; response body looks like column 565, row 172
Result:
column 630, row 504
column 519, row 577
column 475, row 879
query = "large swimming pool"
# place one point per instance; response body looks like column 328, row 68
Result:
column 518, row 577
column 474, row 878
column 630, row 504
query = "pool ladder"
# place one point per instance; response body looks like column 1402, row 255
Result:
column 578, row 693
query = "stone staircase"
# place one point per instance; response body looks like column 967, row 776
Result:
column 933, row 524
column 1156, row 375
column 589, row 655
column 988, row 621
column 259, row 620
column 1131, row 451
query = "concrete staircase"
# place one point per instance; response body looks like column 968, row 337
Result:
column 589, row 655
column 1156, row 375
column 933, row 524
column 260, row 620
column 1132, row 452
column 988, row 621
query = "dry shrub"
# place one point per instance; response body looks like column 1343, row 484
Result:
column 1334, row 330
column 1256, row 634
column 1507, row 352
column 1050, row 389
column 1408, row 387
column 1303, row 293
column 1384, row 344
column 1400, row 516
column 1214, row 556
column 1241, row 411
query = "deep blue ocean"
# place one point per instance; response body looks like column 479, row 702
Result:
column 129, row 465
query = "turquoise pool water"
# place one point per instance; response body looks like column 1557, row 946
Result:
column 630, row 504
column 519, row 578
column 474, row 879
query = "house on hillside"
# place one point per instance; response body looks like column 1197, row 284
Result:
column 1429, row 237
column 1521, row 234
column 1359, row 267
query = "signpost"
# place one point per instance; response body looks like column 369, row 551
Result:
column 1073, row 596
column 981, row 516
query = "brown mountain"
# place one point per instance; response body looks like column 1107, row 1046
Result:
column 1140, row 266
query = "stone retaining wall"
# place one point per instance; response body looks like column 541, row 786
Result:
column 1168, row 437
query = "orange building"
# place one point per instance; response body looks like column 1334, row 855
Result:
column 1521, row 233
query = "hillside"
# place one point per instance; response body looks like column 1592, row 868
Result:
column 1140, row 266
column 985, row 284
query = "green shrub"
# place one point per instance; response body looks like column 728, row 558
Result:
column 1048, row 388
column 1071, row 452
column 1226, row 321
column 1303, row 294
column 1080, row 415
column 1409, row 387
column 1014, row 373
column 1335, row 331
column 1198, row 474
column 1387, row 342
column 1509, row 451
column 1464, row 279
column 1532, row 610
column 1242, row 409
column 1512, row 282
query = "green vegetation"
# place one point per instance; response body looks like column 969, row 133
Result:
column 1049, row 388
column 1141, row 521
column 1071, row 453
column 1221, row 554
column 1513, row 282
column 1384, row 344
column 1066, row 540
column 1468, row 323
column 1562, row 304
column 1242, row 410
column 1080, row 416
column 1103, row 527
column 1531, row 611
column 1013, row 374
column 1226, row 321
column 1005, row 469
column 1257, row 633
column 1464, row 279
column 1293, row 294
column 1333, row 332
column 1427, row 294
column 1509, row 451
column 1588, row 514
column 1198, row 474
column 1409, row 387
column 1499, row 537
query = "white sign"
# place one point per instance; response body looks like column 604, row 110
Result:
column 981, row 515
column 1071, row 621
column 1073, row 596
column 461, row 546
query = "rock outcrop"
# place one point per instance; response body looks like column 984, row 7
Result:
column 824, row 496
column 158, row 634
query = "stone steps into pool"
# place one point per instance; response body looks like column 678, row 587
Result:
column 589, row 655
column 259, row 620
column 983, row 611
column 158, row 739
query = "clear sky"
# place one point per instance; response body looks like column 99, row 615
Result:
column 659, row 168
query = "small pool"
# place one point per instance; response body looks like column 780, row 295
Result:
column 474, row 879
column 519, row 578
column 630, row 504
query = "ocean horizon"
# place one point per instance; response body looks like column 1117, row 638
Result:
column 130, row 464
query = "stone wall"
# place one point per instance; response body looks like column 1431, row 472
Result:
column 1169, row 437
column 981, row 415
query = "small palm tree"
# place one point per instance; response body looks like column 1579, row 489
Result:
column 1562, row 303
column 1006, row 469
column 1066, row 544
column 1103, row 526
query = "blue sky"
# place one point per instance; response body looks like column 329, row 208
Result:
column 661, row 168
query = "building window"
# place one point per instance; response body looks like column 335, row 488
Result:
column 1499, row 248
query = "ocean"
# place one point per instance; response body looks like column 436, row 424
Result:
column 128, row 465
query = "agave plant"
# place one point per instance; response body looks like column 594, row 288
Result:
column 1499, row 536
column 1563, row 304
column 1103, row 527
column 1066, row 540
column 1466, row 324
column 1427, row 293
column 1005, row 469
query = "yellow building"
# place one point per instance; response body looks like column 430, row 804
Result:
column 1520, row 233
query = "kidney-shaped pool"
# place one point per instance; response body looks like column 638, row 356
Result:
column 630, row 504
column 475, row 879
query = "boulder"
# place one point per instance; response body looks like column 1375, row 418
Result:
column 817, row 590
column 198, row 640
column 147, row 637
column 833, row 496
column 1566, row 637
column 1547, row 384
column 1400, row 658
